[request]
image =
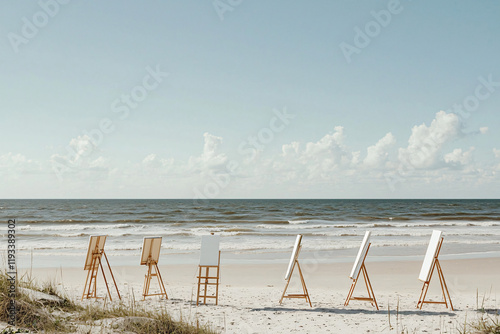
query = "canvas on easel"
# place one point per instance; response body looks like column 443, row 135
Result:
column 430, row 263
column 209, row 259
column 92, row 264
column 294, row 261
column 149, row 257
column 357, row 269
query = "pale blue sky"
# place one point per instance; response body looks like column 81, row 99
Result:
column 226, row 77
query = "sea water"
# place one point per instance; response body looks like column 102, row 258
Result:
column 54, row 233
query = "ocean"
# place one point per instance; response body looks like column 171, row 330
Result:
column 55, row 233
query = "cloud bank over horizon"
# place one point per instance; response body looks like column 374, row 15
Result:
column 436, row 160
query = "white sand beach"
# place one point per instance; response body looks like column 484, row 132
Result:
column 249, row 296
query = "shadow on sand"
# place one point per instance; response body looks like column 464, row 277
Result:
column 351, row 311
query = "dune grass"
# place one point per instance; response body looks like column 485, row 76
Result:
column 136, row 319
column 486, row 324
column 32, row 314
column 64, row 316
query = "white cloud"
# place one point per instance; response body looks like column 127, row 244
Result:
column 291, row 149
column 80, row 162
column 153, row 162
column 376, row 155
column 426, row 142
column 324, row 167
column 317, row 160
column 355, row 158
column 12, row 166
column 155, row 170
column 82, row 146
column 11, row 160
column 483, row 130
column 496, row 152
column 331, row 144
column 459, row 157
column 79, row 154
column 210, row 158
column 152, row 169
column 330, row 148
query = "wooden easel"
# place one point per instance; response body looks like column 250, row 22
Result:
column 152, row 265
column 150, row 257
column 205, row 279
column 444, row 287
column 304, row 295
column 371, row 295
column 93, row 263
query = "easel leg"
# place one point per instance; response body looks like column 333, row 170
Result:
column 147, row 280
column 206, row 286
column 160, row 281
column 304, row 288
column 287, row 282
column 443, row 282
column 199, row 285
column 349, row 295
column 371, row 294
column 442, row 287
column 217, row 288
column 149, row 276
column 86, row 281
column 105, row 281
column 420, row 303
column 366, row 283
column 112, row 276
column 217, row 281
column 426, row 287
column 93, row 277
column 284, row 291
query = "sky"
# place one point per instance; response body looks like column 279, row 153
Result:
column 249, row 99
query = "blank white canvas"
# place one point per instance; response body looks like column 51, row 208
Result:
column 209, row 250
column 425, row 272
column 294, row 256
column 361, row 255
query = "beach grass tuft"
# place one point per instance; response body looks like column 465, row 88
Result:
column 161, row 322
column 486, row 324
column 33, row 314
column 64, row 316
column 132, row 318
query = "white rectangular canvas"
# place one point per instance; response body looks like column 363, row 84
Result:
column 295, row 253
column 151, row 247
column 361, row 255
column 96, row 243
column 209, row 255
column 425, row 272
